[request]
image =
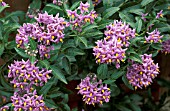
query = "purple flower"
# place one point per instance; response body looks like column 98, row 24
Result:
column 46, row 30
column 120, row 31
column 72, row 14
column 166, row 46
column 96, row 2
column 109, row 52
column 4, row 108
column 143, row 16
column 25, row 74
column 93, row 91
column 159, row 14
column 44, row 51
column 84, row 7
column 2, row 3
column 30, row 101
column 141, row 75
column 154, row 37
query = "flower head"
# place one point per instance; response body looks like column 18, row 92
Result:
column 4, row 108
column 154, row 37
column 93, row 91
column 142, row 75
column 159, row 14
column 120, row 31
column 109, row 52
column 84, row 7
column 166, row 46
column 143, row 17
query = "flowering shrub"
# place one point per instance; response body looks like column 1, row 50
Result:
column 71, row 55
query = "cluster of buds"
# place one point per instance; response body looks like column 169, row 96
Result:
column 112, row 48
column 25, row 76
column 45, row 31
column 28, row 102
column 154, row 37
column 59, row 2
column 29, row 51
column 93, row 91
column 78, row 20
column 166, row 46
column 140, row 75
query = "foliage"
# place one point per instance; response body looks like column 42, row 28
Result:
column 73, row 59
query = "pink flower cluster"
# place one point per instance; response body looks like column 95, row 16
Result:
column 112, row 48
column 78, row 20
column 154, row 37
column 93, row 91
column 140, row 75
column 45, row 31
column 25, row 76
column 166, row 46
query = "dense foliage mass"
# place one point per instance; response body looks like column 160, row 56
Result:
column 91, row 43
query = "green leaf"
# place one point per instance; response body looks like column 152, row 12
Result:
column 44, row 90
column 115, row 91
column 124, row 79
column 45, row 63
column 135, row 57
column 109, row 12
column 83, row 40
column 58, row 74
column 92, row 34
column 33, row 44
column 21, row 52
column 103, row 24
column 122, row 107
column 16, row 13
column 74, row 52
column 135, row 107
column 53, row 7
column 116, row 74
column 3, row 7
column 102, row 71
column 139, row 24
column 66, row 65
column 157, row 46
column 1, row 49
column 36, row 4
column 32, row 59
column 109, row 81
column 10, row 45
column 75, row 5
column 135, row 97
column 145, row 2
column 89, row 28
column 50, row 103
column 137, row 11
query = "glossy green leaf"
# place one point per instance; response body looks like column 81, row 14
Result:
column 102, row 70
column 135, row 57
column 33, row 44
column 83, row 40
column 58, row 74
column 75, row 5
column 145, row 2
column 89, row 28
column 45, row 63
column 116, row 74
column 109, row 12
column 66, row 65
column 21, row 52
column 1, row 49
column 126, row 82
column 135, row 107
column 74, row 52
column 2, row 8
column 32, row 59
column 139, row 25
